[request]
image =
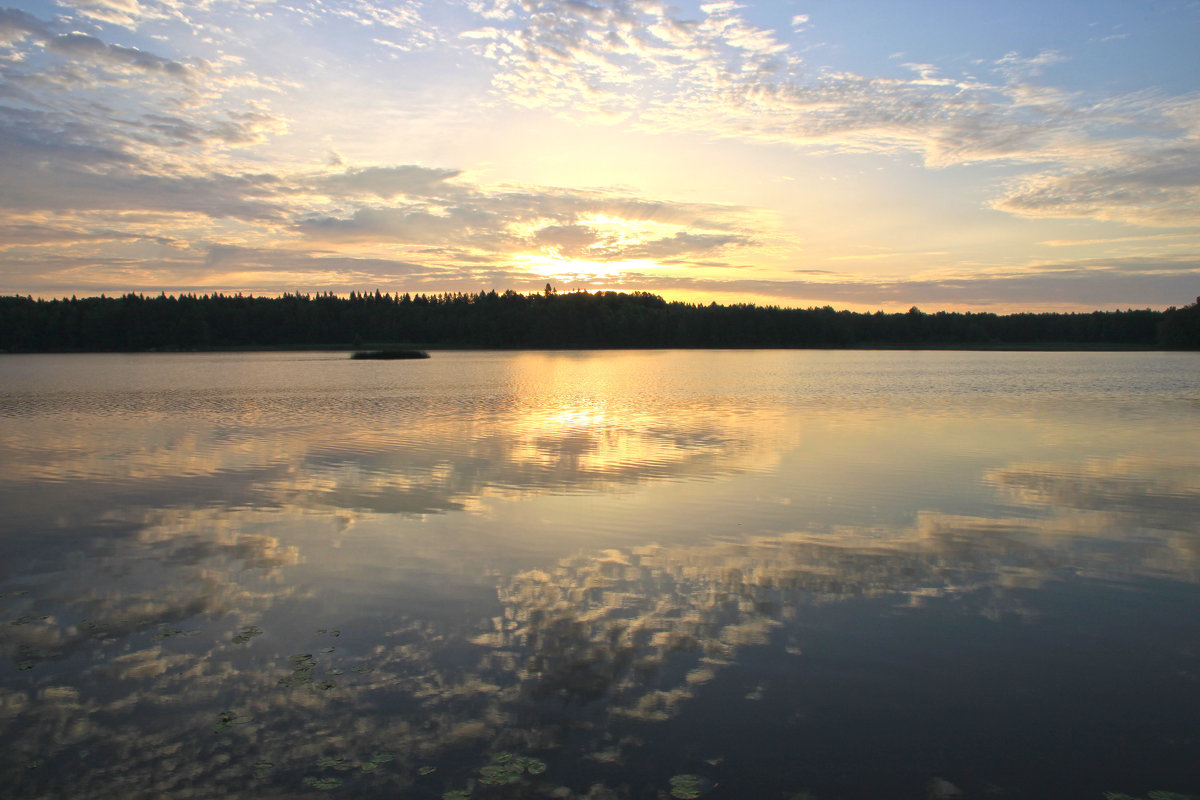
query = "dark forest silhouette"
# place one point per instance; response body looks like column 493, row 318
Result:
column 135, row 322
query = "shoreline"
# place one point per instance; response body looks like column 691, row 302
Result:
column 1050, row 347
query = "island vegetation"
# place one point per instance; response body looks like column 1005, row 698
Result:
column 548, row 319
column 390, row 354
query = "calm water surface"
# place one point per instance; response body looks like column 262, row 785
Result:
column 831, row 575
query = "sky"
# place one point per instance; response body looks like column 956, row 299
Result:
column 998, row 156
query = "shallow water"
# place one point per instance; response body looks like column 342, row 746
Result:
column 789, row 574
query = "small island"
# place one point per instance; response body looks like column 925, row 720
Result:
column 388, row 355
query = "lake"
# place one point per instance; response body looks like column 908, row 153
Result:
column 829, row 575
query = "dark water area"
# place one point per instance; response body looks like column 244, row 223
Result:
column 832, row 575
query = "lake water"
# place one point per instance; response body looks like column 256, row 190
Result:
column 832, row 575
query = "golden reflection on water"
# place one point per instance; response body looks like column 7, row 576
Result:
column 566, row 546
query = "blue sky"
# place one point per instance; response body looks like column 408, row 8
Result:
column 864, row 155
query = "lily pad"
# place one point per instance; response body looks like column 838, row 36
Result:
column 686, row 787
column 457, row 794
column 29, row 657
column 165, row 633
column 226, row 719
column 297, row 678
column 247, row 633
column 304, row 668
column 322, row 783
column 426, row 770
column 499, row 775
column 506, row 768
column 382, row 758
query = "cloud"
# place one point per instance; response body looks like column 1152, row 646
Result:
column 388, row 182
column 16, row 25
column 1016, row 67
column 228, row 127
column 567, row 240
column 721, row 77
column 399, row 224
column 81, row 47
column 1084, row 284
column 1156, row 187
column 685, row 243
column 612, row 62
column 126, row 13
column 567, row 224
column 75, row 188
column 154, row 143
column 17, row 235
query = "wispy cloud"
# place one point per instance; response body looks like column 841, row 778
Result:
column 1123, row 157
column 599, row 226
column 1149, row 186
column 17, row 26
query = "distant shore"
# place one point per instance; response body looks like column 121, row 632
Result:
column 355, row 351
column 569, row 321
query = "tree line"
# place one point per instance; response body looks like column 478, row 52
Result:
column 136, row 322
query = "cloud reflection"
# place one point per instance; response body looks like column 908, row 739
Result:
column 137, row 658
column 389, row 621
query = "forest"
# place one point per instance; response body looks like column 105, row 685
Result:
column 548, row 319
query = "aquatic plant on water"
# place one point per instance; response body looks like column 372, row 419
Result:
column 506, row 768
column 322, row 783
column 304, row 669
column 686, row 787
column 247, row 633
column 227, row 719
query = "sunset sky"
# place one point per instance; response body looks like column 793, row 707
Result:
column 960, row 155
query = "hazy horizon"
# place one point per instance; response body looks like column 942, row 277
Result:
column 1017, row 157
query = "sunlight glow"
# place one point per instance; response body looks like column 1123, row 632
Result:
column 551, row 266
